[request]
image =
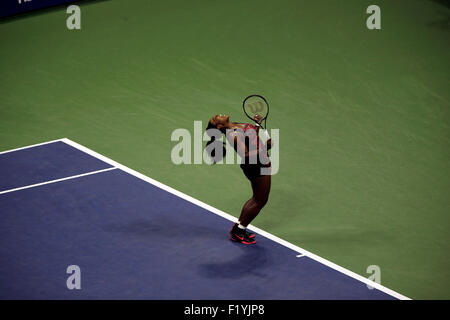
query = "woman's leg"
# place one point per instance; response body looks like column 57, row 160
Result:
column 261, row 190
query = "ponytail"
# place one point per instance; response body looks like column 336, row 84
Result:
column 212, row 145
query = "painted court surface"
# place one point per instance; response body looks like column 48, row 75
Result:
column 134, row 238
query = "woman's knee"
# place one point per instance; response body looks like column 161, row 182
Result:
column 261, row 201
column 261, row 190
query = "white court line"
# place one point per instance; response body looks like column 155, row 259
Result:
column 30, row 146
column 57, row 180
column 233, row 219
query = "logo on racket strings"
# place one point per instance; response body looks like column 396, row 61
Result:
column 256, row 106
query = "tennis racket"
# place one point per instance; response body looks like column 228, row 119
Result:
column 256, row 104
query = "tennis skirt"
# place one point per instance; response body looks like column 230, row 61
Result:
column 253, row 171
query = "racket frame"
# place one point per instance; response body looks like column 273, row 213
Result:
column 263, row 119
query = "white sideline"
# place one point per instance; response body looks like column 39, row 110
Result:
column 56, row 180
column 302, row 252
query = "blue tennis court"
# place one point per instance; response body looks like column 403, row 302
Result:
column 62, row 204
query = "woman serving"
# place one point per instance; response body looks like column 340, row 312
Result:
column 255, row 165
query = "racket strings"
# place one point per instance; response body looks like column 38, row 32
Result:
column 256, row 105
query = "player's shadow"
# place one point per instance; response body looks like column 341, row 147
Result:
column 245, row 259
column 252, row 260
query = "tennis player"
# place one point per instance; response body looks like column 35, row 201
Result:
column 246, row 142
